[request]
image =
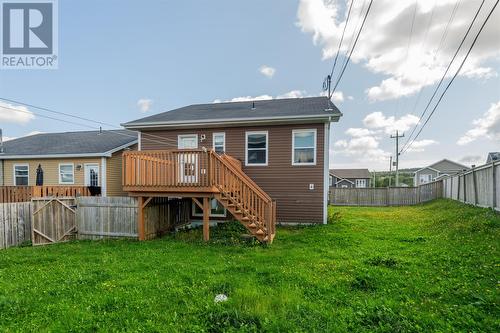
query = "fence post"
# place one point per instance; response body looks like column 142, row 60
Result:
column 474, row 182
column 494, row 187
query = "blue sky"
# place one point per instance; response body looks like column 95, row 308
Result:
column 116, row 57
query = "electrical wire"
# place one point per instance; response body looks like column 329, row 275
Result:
column 444, row 76
column 353, row 47
column 456, row 73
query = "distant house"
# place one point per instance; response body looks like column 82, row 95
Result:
column 87, row 158
column 493, row 157
column 350, row 178
column 437, row 171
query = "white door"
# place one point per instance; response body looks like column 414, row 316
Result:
column 91, row 174
column 188, row 162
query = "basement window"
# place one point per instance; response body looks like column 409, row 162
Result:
column 21, row 174
column 304, row 147
column 216, row 209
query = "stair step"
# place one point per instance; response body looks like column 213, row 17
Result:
column 259, row 232
column 245, row 219
column 252, row 225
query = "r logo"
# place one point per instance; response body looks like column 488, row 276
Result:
column 27, row 28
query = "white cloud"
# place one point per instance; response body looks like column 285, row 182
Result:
column 362, row 145
column 487, row 126
column 382, row 46
column 8, row 138
column 377, row 120
column 144, row 104
column 267, row 71
column 15, row 113
column 419, row 146
column 472, row 159
column 337, row 97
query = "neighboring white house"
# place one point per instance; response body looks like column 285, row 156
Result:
column 437, row 171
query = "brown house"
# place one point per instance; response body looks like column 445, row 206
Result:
column 280, row 145
column 85, row 158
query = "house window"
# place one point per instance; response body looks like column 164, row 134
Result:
column 304, row 147
column 426, row 178
column 256, row 148
column 216, row 209
column 331, row 181
column 360, row 182
column 219, row 140
column 66, row 173
column 21, row 174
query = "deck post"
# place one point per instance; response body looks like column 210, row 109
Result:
column 206, row 225
column 140, row 218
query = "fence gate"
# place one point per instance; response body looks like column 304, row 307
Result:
column 53, row 220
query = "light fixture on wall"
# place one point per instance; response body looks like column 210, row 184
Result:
column 78, row 167
column 202, row 137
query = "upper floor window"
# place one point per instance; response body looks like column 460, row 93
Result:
column 21, row 175
column 256, row 148
column 66, row 173
column 360, row 182
column 304, row 147
column 219, row 140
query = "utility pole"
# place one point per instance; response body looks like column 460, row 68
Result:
column 390, row 171
column 397, row 136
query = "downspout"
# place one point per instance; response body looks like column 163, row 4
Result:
column 326, row 171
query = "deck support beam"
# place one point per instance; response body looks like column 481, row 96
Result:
column 206, row 214
column 142, row 202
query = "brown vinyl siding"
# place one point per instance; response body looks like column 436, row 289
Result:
column 285, row 183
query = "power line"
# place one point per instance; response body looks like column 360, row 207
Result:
column 73, row 116
column 79, row 124
column 456, row 73
column 341, row 38
column 353, row 47
column 436, row 51
column 444, row 76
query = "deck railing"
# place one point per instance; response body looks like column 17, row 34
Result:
column 25, row 193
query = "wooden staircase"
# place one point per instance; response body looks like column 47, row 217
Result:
column 201, row 173
column 243, row 198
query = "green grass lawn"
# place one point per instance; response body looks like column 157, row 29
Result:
column 432, row 267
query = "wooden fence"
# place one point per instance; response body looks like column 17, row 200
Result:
column 15, row 223
column 26, row 193
column 385, row 196
column 57, row 219
column 114, row 217
column 479, row 186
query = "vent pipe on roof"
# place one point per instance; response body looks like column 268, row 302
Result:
column 253, row 105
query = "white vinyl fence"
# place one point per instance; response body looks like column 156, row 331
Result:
column 479, row 186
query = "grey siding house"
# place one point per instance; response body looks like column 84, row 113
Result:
column 492, row 157
column 350, row 178
column 437, row 171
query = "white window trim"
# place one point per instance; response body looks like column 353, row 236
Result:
column 224, row 143
column 14, row 173
column 193, row 211
column 59, row 172
column 360, row 182
column 181, row 136
column 246, row 148
column 86, row 179
column 425, row 181
column 293, row 146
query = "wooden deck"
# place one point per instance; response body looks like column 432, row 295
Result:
column 200, row 174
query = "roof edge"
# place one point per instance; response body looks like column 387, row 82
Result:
column 230, row 121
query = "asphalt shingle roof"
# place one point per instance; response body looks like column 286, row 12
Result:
column 289, row 107
column 84, row 142
column 351, row 173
